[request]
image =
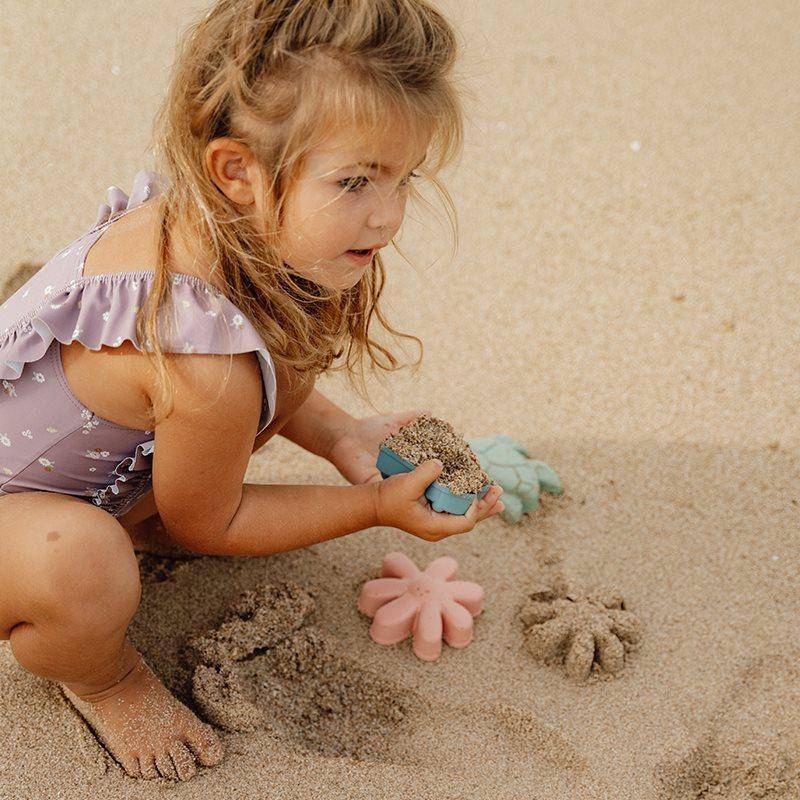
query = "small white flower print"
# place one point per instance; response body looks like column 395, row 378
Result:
column 212, row 312
column 188, row 348
column 185, row 303
column 51, row 429
column 96, row 453
column 48, row 288
column 176, row 279
column 27, row 434
column 48, row 465
column 237, row 321
column 56, row 305
column 8, row 388
column 134, row 284
column 38, row 377
column 92, row 469
column 5, row 440
column 8, row 471
column 105, row 316
column 91, row 422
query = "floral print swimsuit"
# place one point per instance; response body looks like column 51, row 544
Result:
column 50, row 441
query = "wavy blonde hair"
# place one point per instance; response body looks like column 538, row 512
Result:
column 280, row 76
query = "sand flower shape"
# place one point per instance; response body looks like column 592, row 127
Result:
column 523, row 479
column 428, row 605
column 580, row 632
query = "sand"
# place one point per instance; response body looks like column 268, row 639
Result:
column 428, row 437
column 624, row 302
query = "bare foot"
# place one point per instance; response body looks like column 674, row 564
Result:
column 148, row 730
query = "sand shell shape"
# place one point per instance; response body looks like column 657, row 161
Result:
column 429, row 605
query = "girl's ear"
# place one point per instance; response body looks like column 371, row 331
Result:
column 234, row 169
column 227, row 162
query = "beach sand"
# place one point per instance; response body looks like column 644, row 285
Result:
column 624, row 302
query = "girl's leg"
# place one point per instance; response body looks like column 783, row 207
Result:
column 69, row 587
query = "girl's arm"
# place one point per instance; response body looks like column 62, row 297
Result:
column 315, row 424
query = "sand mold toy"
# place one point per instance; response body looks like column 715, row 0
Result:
column 428, row 605
column 523, row 479
column 462, row 478
column 440, row 497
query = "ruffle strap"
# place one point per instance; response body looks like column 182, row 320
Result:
column 100, row 310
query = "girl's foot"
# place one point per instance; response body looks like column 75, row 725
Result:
column 148, row 730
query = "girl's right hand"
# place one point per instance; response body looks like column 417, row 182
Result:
column 401, row 503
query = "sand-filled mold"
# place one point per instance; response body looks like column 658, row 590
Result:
column 751, row 747
column 265, row 667
column 587, row 635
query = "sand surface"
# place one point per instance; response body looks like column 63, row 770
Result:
column 624, row 301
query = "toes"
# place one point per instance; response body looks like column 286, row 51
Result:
column 165, row 766
column 183, row 760
column 131, row 765
column 206, row 746
column 147, row 765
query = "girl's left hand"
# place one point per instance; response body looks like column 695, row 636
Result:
column 355, row 448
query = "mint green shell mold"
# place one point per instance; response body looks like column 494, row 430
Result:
column 523, row 479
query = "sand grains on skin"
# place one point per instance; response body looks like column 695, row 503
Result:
column 148, row 730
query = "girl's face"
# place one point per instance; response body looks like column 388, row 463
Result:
column 333, row 208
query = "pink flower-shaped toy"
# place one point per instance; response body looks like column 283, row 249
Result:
column 428, row 605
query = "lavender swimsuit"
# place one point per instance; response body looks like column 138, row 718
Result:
column 50, row 441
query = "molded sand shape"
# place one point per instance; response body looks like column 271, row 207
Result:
column 583, row 633
column 428, row 605
column 461, row 480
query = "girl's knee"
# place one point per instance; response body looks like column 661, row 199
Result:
column 86, row 566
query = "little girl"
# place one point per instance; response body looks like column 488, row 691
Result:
column 147, row 360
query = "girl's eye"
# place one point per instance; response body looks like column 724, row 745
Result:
column 352, row 185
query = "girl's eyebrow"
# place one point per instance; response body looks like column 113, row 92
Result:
column 375, row 166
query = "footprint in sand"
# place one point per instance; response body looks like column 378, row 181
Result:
column 265, row 667
column 751, row 748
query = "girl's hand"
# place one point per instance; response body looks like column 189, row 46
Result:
column 401, row 503
column 355, row 448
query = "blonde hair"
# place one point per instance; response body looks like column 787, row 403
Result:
column 280, row 76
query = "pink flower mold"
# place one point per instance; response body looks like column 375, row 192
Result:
column 428, row 605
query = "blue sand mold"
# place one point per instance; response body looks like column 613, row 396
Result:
column 440, row 497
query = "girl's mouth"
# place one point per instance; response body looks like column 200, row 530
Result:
column 361, row 256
